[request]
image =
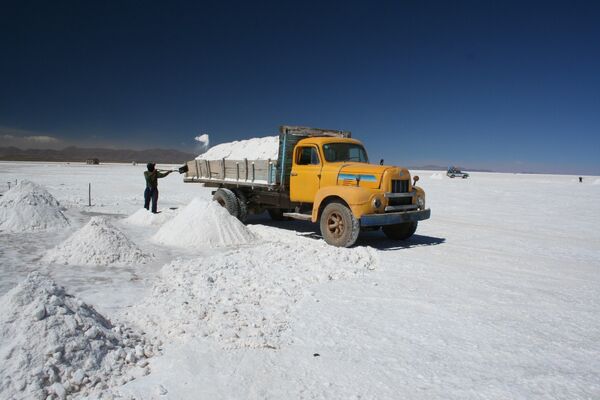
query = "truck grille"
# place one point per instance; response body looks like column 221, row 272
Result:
column 400, row 201
column 399, row 186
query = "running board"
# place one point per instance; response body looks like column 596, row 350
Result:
column 303, row 217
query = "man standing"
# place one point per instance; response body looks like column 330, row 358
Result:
column 151, row 192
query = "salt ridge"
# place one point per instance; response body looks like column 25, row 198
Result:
column 244, row 298
column 97, row 243
column 30, row 207
column 143, row 217
column 53, row 345
column 203, row 223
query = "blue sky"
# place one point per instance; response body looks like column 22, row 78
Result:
column 511, row 86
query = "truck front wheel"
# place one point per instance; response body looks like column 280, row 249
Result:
column 400, row 231
column 226, row 198
column 339, row 227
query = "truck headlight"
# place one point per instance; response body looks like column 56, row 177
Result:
column 376, row 203
column 421, row 202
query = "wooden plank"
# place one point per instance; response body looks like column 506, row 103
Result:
column 192, row 169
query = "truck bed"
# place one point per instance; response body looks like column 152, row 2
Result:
column 271, row 174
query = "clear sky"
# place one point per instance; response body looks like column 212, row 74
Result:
column 504, row 85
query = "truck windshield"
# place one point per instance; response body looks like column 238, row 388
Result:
column 335, row 152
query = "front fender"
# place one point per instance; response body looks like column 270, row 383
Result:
column 419, row 191
column 357, row 198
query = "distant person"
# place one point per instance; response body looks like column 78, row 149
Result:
column 151, row 192
column 580, row 179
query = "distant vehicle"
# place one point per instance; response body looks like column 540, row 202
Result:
column 322, row 176
column 454, row 172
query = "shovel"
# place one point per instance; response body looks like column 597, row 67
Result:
column 182, row 170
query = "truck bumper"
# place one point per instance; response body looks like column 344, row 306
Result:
column 394, row 218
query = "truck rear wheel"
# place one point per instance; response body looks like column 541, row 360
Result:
column 226, row 198
column 242, row 205
column 339, row 227
column 400, row 231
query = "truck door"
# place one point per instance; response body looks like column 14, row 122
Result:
column 306, row 174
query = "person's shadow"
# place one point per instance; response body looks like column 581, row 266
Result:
column 375, row 239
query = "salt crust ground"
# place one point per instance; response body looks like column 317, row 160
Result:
column 243, row 298
column 263, row 148
column 54, row 346
column 489, row 300
column 97, row 243
column 28, row 206
column 203, row 223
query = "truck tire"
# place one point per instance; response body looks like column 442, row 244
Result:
column 226, row 198
column 400, row 231
column 339, row 227
column 242, row 205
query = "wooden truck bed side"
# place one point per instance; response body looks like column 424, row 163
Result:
column 243, row 172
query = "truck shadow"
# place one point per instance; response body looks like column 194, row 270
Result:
column 379, row 241
column 375, row 239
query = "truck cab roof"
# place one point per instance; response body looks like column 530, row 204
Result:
column 320, row 140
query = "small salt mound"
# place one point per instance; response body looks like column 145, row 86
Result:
column 263, row 148
column 244, row 298
column 143, row 217
column 596, row 182
column 30, row 207
column 53, row 345
column 203, row 223
column 436, row 176
column 97, row 243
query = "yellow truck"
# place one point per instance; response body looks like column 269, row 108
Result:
column 323, row 176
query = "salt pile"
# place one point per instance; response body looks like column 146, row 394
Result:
column 436, row 176
column 203, row 223
column 244, row 298
column 265, row 148
column 596, row 182
column 97, row 243
column 143, row 217
column 53, row 345
column 30, row 207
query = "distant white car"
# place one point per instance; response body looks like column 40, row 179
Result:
column 454, row 172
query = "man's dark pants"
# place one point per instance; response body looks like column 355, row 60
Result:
column 151, row 194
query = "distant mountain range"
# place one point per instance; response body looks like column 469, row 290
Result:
column 81, row 154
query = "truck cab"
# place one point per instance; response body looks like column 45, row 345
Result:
column 332, row 177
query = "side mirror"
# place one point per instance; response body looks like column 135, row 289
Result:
column 415, row 179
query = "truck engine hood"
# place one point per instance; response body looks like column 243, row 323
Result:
column 369, row 175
